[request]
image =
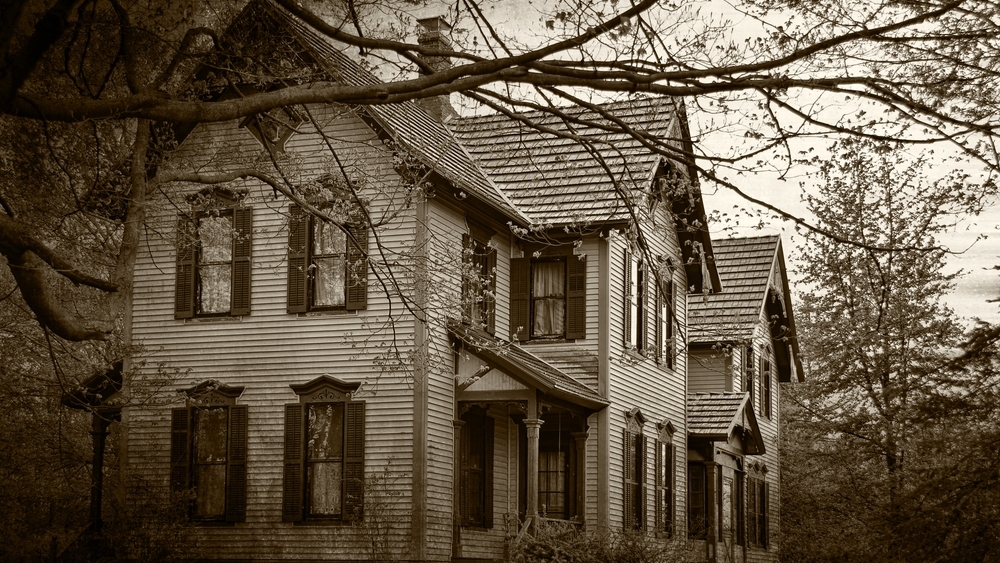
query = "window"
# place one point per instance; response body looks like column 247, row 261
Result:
column 324, row 453
column 548, row 297
column 634, row 448
column 213, row 259
column 697, row 501
column 665, row 324
column 740, row 509
column 635, row 303
column 749, row 385
column 479, row 263
column 273, row 128
column 476, row 465
column 208, row 452
column 758, row 501
column 327, row 264
column 664, row 480
column 557, row 465
column 765, row 379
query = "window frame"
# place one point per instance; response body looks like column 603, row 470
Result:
column 749, row 383
column 297, row 481
column 210, row 395
column 636, row 303
column 477, row 426
column 758, row 501
column 634, row 472
column 575, row 295
column 766, row 382
column 697, row 520
column 187, row 288
column 664, row 323
column 664, row 472
column 479, row 266
column 301, row 265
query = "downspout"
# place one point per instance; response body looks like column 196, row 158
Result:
column 603, row 434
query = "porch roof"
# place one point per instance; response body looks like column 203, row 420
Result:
column 94, row 392
column 526, row 367
column 716, row 416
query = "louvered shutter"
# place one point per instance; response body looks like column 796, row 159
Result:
column 640, row 478
column 179, row 450
column 464, row 494
column 185, row 274
column 467, row 300
column 668, row 490
column 357, row 269
column 298, row 260
column 628, row 291
column 520, row 297
column 642, row 339
column 764, row 516
column 236, row 484
column 488, row 473
column 668, row 345
column 628, row 485
column 354, row 460
column 291, row 505
column 658, row 468
column 242, row 249
column 658, row 328
column 491, row 297
column 576, row 297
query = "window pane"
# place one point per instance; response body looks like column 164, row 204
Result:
column 215, row 234
column 328, row 282
column 328, row 239
column 210, row 491
column 325, row 488
column 210, row 428
column 548, row 279
column 326, row 432
column 215, row 288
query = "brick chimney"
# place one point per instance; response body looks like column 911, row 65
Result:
column 434, row 35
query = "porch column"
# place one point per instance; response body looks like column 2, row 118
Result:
column 456, row 535
column 712, row 508
column 580, row 510
column 532, row 426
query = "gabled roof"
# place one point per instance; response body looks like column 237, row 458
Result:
column 717, row 416
column 753, row 280
column 558, row 180
column 526, row 367
column 95, row 392
column 405, row 123
column 574, row 167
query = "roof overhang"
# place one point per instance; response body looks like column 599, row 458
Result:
column 525, row 368
column 94, row 393
column 784, row 336
column 732, row 418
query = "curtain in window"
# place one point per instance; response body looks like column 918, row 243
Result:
column 329, row 252
column 215, row 274
column 210, row 446
column 548, row 295
column 325, row 454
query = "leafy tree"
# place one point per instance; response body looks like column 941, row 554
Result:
column 890, row 426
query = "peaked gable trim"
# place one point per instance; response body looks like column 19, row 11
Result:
column 717, row 417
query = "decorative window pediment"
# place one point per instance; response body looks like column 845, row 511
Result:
column 325, row 388
column 212, row 392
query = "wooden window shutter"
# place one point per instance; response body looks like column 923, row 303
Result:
column 640, row 514
column 628, row 484
column 242, row 249
column 765, row 506
column 488, row 472
column 179, row 449
column 357, row 268
column 658, row 480
column 293, row 486
column 491, row 297
column 668, row 490
column 236, row 484
column 298, row 260
column 185, row 276
column 464, row 494
column 668, row 344
column 576, row 296
column 642, row 339
column 520, row 297
column 354, row 460
column 658, row 328
column 627, row 331
column 467, row 300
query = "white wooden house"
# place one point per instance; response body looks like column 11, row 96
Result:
column 446, row 332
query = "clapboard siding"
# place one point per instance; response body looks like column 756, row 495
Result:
column 269, row 349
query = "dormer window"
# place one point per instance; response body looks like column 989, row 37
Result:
column 273, row 128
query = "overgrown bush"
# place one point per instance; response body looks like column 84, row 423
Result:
column 555, row 542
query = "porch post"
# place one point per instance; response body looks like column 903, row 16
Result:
column 99, row 431
column 532, row 426
column 456, row 534
column 581, row 475
column 712, row 508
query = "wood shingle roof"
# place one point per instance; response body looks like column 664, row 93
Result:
column 570, row 168
column 745, row 266
column 716, row 416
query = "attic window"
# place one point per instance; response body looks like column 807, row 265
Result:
column 273, row 128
